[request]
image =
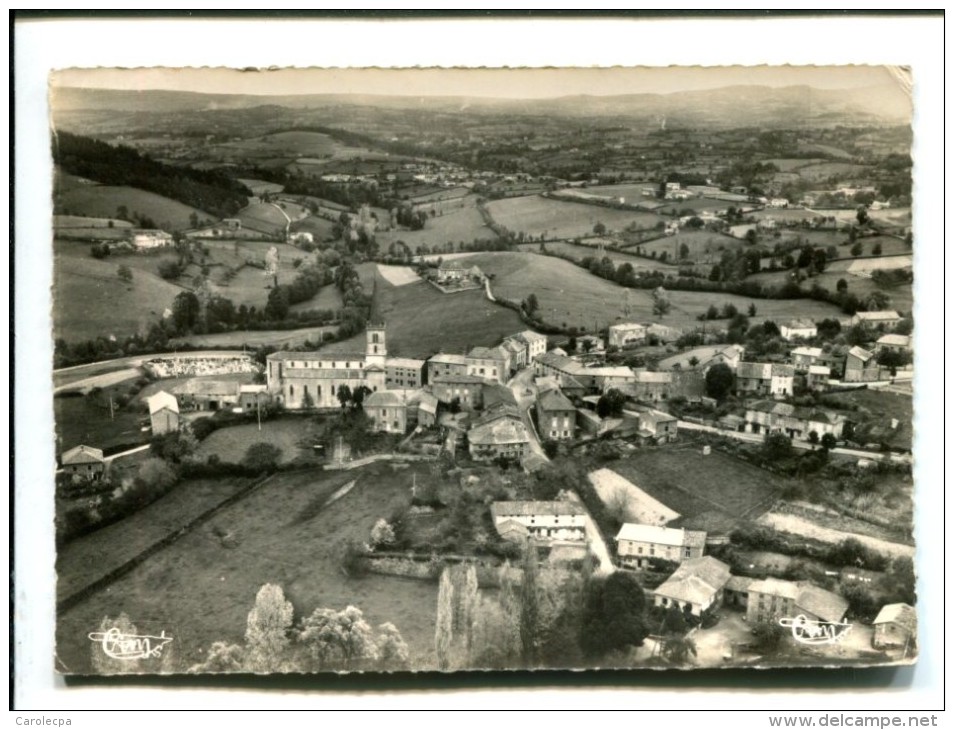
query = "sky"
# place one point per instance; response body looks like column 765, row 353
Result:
column 499, row 83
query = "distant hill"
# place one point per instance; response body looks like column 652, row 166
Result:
column 727, row 106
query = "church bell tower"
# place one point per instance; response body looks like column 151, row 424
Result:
column 377, row 349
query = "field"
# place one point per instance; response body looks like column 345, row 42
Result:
column 787, row 215
column 398, row 275
column 422, row 321
column 76, row 221
column 201, row 591
column 438, row 195
column 901, row 296
column 91, row 301
column 704, row 247
column 257, row 338
column 261, row 187
column 630, row 192
column 568, row 294
column 455, row 225
column 790, row 164
column 294, row 436
column 578, row 252
column 694, row 204
column 102, row 201
column 89, row 558
column 825, row 170
column 536, row 216
column 887, row 217
column 263, row 217
column 79, row 420
column 292, row 144
column 731, row 488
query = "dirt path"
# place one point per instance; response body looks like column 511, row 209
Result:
column 800, row 526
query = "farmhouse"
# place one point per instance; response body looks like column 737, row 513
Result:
column 426, row 409
column 206, row 395
column 799, row 329
column 499, row 435
column 703, row 358
column 590, row 343
column 450, row 271
column 650, row 386
column 896, row 626
column 388, row 411
column 861, row 366
column 489, row 362
column 795, row 421
column 658, row 427
column 403, row 372
column 638, row 545
column 556, row 416
column 820, row 605
column 805, row 357
column 535, row 343
column 697, row 584
column 163, row 413
column 517, row 352
column 886, row 320
column 297, row 379
column 512, row 531
column 544, row 520
column 83, row 462
column 893, row 343
column 817, row 377
column 663, row 333
column 628, row 334
column 466, row 389
column 770, row 599
column 445, row 364
column 764, row 379
column 145, row 240
column 253, row 395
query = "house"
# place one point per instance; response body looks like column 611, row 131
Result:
column 820, row 605
column 535, row 342
column 163, row 413
column 301, row 237
column 517, row 352
column 803, row 329
column 144, row 240
column 638, row 545
column 896, row 626
column 649, row 386
column 703, row 358
column 590, row 343
column 893, row 343
column 252, row 395
column 513, row 531
column 796, row 421
column 556, row 416
column 778, row 203
column 817, row 377
column 499, row 396
column 886, row 320
column 232, row 224
column 426, row 409
column 490, row 363
column 861, row 366
column 736, row 591
column 544, row 520
column 805, row 357
column 658, row 427
column 662, row 333
column 445, row 364
column 301, row 379
column 627, row 334
column 770, row 599
column 206, row 395
column 499, row 435
column 403, row 372
column 465, row 389
column 696, row 585
column 83, row 462
column 764, row 379
column 450, row 271
column 387, row 409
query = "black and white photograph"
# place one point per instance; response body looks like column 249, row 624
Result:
column 403, row 382
column 366, row 370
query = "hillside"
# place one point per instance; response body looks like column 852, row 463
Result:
column 104, row 201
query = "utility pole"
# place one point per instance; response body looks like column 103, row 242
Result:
column 258, row 409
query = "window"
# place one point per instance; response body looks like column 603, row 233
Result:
column 688, row 552
column 291, row 390
column 332, row 388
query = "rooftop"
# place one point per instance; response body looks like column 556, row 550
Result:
column 162, row 400
column 826, row 605
column 531, row 508
column 661, row 535
column 82, row 455
column 898, row 613
column 501, row 429
column 554, row 400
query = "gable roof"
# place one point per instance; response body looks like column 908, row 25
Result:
column 82, row 455
column 661, row 535
column 162, row 400
column 500, row 429
column 898, row 613
column 530, row 508
column 800, row 324
column 808, row 351
column 895, row 340
column 311, row 356
column 826, row 605
column 382, row 398
column 206, row 387
column 554, row 400
column 448, row 359
column 775, row 587
column 696, row 580
column 457, row 379
column 880, row 316
column 529, row 336
column 860, row 353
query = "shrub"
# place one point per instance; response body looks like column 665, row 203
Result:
column 262, row 457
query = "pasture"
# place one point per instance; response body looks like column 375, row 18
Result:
column 398, row 275
column 294, row 437
column 578, row 252
column 538, row 216
column 731, row 488
column 889, row 217
column 292, row 143
column 831, row 170
column 258, row 338
column 261, row 187
column 90, row 300
column 282, row 533
column 792, row 164
column 901, row 296
column 81, row 420
column 455, row 225
column 103, row 201
column 77, row 221
column 703, row 246
column 263, row 217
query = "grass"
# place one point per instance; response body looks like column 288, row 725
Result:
column 730, row 487
column 578, row 252
column 536, row 215
column 263, row 217
column 902, row 295
column 202, row 591
column 460, row 221
column 82, row 222
column 257, row 338
column 89, row 558
column 81, row 421
column 704, row 246
column 790, row 164
column 293, row 436
column 91, row 301
column 260, row 187
column 102, row 201
column 825, row 170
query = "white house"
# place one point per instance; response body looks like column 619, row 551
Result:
column 626, row 334
column 638, row 545
column 798, row 328
column 147, row 239
column 163, row 413
column 544, row 520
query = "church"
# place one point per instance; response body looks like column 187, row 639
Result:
column 303, row 379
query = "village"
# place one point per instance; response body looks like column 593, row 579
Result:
column 516, row 393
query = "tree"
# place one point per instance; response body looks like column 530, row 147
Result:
column 278, row 304
column 531, row 305
column 876, row 249
column 610, row 403
column 614, row 614
column 599, row 229
column 828, row 441
column 339, row 639
column 267, row 639
column 862, row 215
column 813, row 438
column 712, row 312
column 719, row 381
column 185, row 311
column 777, row 446
column 661, row 306
column 344, row 395
column 684, row 251
column 169, row 269
column 382, row 534
column 222, row 657
column 894, row 359
column 767, row 636
column 678, row 649
column 262, row 457
column 857, row 249
column 456, row 601
column 307, row 402
column 752, row 309
column 841, row 285
column 124, row 273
